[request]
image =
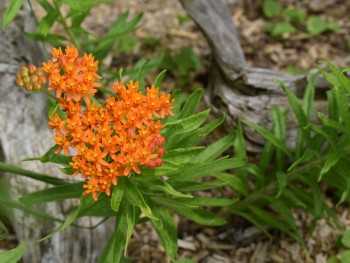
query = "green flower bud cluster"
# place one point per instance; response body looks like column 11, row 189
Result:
column 31, row 78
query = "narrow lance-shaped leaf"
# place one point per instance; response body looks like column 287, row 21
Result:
column 117, row 194
column 215, row 149
column 135, row 197
column 191, row 104
column 13, row 255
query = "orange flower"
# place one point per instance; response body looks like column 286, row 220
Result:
column 112, row 140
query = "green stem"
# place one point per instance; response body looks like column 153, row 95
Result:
column 64, row 24
column 48, row 93
column 272, row 187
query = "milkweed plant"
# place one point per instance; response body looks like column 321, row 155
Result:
column 136, row 152
column 137, row 156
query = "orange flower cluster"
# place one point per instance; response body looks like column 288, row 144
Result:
column 111, row 140
column 72, row 75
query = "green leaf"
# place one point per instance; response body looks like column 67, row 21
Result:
column 298, row 111
column 190, row 172
column 183, row 155
column 156, row 184
column 132, row 215
column 282, row 182
column 49, row 155
column 233, row 181
column 119, row 28
column 215, row 149
column 107, row 254
column 271, row 8
column 13, row 255
column 269, row 137
column 61, row 192
column 47, row 22
column 345, row 256
column 191, row 104
column 117, row 194
column 185, row 125
column 120, row 234
column 206, row 201
column 4, row 167
column 53, row 39
column 345, row 239
column 281, row 28
column 3, row 231
column 309, row 96
column 316, row 25
column 198, row 215
column 68, row 221
column 193, row 138
column 159, row 79
column 295, row 15
column 332, row 159
column 186, row 60
column 134, row 196
column 190, row 186
column 166, row 229
column 11, row 11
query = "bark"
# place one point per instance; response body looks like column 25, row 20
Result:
column 236, row 88
column 24, row 133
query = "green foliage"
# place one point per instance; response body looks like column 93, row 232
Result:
column 293, row 20
column 271, row 8
column 11, row 12
column 316, row 25
column 13, row 255
column 182, row 63
column 321, row 154
column 185, row 165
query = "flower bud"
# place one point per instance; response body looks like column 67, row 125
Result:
column 151, row 164
column 24, row 71
column 19, row 76
column 26, row 79
column 28, row 86
column 161, row 152
column 36, row 85
column 161, row 140
column 31, row 69
column 39, row 72
column 34, row 78
column 159, row 162
column 42, row 79
column 19, row 82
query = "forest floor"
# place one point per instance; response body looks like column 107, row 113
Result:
column 166, row 22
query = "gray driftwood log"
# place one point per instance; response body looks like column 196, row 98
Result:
column 236, row 88
column 24, row 133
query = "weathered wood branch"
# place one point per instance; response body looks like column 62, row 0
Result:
column 236, row 88
column 24, row 133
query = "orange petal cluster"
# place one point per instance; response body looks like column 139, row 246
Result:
column 71, row 76
column 113, row 139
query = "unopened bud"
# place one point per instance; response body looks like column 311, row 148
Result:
column 161, row 152
column 24, row 71
column 19, row 82
column 152, row 164
column 161, row 140
column 42, row 79
column 159, row 162
column 36, row 85
column 18, row 75
column 31, row 69
column 34, row 78
column 28, row 86
column 156, row 140
column 39, row 72
column 152, row 146
column 26, row 79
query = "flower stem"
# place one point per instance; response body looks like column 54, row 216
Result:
column 48, row 93
column 64, row 24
